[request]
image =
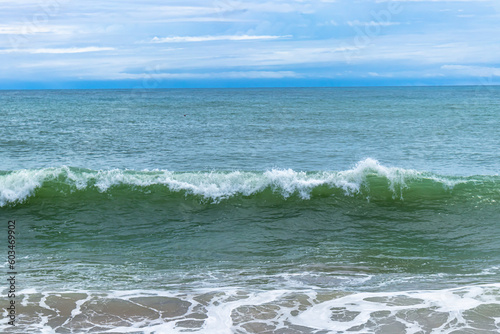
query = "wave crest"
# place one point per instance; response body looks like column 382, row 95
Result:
column 368, row 178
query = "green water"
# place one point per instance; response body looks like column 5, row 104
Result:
column 311, row 194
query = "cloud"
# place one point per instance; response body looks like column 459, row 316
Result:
column 372, row 23
column 181, row 39
column 475, row 71
column 248, row 39
column 471, row 1
column 269, row 7
column 30, row 28
column 328, row 23
column 203, row 19
column 57, row 51
column 212, row 75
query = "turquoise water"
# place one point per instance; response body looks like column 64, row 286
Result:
column 451, row 131
column 371, row 210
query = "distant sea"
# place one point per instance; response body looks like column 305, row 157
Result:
column 298, row 210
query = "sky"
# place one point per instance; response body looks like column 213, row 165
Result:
column 232, row 43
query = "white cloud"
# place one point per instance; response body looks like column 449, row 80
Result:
column 372, row 23
column 57, row 51
column 248, row 38
column 471, row 1
column 269, row 7
column 202, row 19
column 30, row 28
column 213, row 75
column 476, row 71
column 180, row 39
column 328, row 23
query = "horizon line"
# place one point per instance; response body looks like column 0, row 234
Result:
column 260, row 87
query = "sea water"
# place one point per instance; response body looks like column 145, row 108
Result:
column 299, row 210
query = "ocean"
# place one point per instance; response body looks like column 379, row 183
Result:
column 297, row 210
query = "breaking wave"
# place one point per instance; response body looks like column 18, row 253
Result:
column 368, row 179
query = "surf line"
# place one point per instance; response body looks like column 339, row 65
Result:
column 11, row 259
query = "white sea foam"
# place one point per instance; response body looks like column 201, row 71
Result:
column 230, row 310
column 18, row 185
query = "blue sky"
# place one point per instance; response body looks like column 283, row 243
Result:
column 231, row 43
